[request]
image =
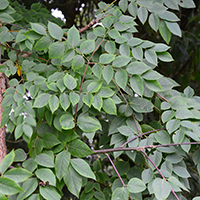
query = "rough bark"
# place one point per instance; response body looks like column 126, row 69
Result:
column 2, row 130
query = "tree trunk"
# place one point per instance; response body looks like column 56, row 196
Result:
column 2, row 130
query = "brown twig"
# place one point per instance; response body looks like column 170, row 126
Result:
column 141, row 148
column 75, row 116
column 90, row 24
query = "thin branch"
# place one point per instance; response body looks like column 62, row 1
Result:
column 16, row 25
column 117, row 173
column 141, row 148
column 91, row 24
column 136, row 124
column 19, row 51
column 162, row 97
column 84, row 78
column 120, row 91
column 158, row 171
column 140, row 136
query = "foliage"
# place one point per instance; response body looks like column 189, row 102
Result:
column 84, row 98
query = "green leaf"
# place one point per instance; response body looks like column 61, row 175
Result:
column 44, row 160
column 106, row 92
column 88, row 99
column 56, row 50
column 163, row 137
column 174, row 28
column 69, row 82
column 107, row 22
column 41, row 100
column 50, row 140
column 61, row 164
column 109, row 106
column 106, row 58
column 165, row 56
column 68, row 55
column 189, row 92
column 137, row 85
column 161, row 188
column 82, row 167
column 125, row 130
column 120, row 193
column 142, row 14
column 6, row 18
column 73, row 181
column 94, row 87
column 28, row 130
column 55, row 31
column 132, row 8
column 97, row 102
column 110, row 47
column 108, row 73
column 99, row 31
column 121, row 61
column 78, row 62
column 43, row 43
column 169, row 16
column 181, row 171
column 187, row 4
column 141, row 105
column 123, row 4
column 6, row 162
column 3, row 4
column 137, row 67
column 88, row 124
column 121, row 78
column 124, row 49
column 29, row 187
column 53, row 103
column 64, row 101
column 135, row 185
column 79, row 149
column 18, row 175
column 135, row 42
column 38, row 28
column 48, row 192
column 113, row 33
column 20, row 155
column 154, row 21
column 46, row 175
column 151, row 56
column 18, row 131
column 87, row 46
column 97, row 70
column 167, row 115
column 172, row 4
column 172, row 125
column 74, row 98
column 164, row 31
column 137, row 53
column 73, row 36
column 8, row 186
column 67, row 121
column 32, row 35
column 153, row 85
column 151, row 75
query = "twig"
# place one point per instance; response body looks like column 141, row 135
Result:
column 16, row 25
column 75, row 116
column 90, row 24
column 117, row 173
column 162, row 97
column 140, row 136
column 158, row 171
column 141, row 148
column 120, row 91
